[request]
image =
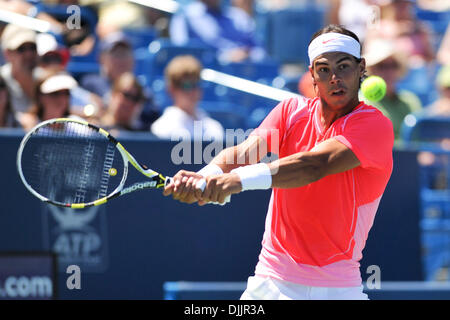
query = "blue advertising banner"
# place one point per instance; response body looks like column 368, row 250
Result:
column 27, row 276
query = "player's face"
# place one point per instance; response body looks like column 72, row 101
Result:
column 337, row 76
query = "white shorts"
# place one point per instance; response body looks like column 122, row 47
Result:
column 266, row 288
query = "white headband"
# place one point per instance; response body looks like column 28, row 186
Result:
column 333, row 42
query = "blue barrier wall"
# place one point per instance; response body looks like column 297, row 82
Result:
column 129, row 247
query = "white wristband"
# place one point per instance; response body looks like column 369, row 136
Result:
column 254, row 177
column 209, row 170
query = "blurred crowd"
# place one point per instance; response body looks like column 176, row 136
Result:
column 37, row 84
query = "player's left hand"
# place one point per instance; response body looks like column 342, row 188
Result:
column 183, row 186
column 218, row 187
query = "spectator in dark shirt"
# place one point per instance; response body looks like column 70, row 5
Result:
column 7, row 118
column 116, row 58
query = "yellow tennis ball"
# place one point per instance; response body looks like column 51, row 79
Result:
column 373, row 88
column 112, row 172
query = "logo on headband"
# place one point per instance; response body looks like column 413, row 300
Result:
column 326, row 41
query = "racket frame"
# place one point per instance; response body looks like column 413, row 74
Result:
column 156, row 180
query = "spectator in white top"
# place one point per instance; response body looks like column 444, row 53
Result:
column 184, row 120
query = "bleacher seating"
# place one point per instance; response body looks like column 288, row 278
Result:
column 78, row 64
column 436, row 20
column 289, row 31
column 420, row 128
column 434, row 163
column 435, row 240
column 153, row 59
column 230, row 116
column 256, row 71
column 435, row 216
column 420, row 81
column 140, row 37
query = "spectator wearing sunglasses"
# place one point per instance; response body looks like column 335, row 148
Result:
column 383, row 60
column 19, row 49
column 51, row 100
column 184, row 120
column 126, row 104
column 7, row 118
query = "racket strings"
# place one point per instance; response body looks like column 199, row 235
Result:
column 107, row 166
column 85, row 173
column 69, row 162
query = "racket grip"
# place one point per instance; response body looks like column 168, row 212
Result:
column 202, row 185
column 168, row 181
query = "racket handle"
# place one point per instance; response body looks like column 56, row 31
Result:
column 168, row 181
column 202, row 185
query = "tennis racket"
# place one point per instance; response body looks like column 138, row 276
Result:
column 74, row 164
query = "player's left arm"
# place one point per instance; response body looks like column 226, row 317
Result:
column 303, row 168
column 297, row 170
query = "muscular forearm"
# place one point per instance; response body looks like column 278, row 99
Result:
column 297, row 170
column 300, row 169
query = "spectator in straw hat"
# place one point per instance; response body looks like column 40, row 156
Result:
column 19, row 48
column 382, row 60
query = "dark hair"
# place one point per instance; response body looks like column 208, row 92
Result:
column 339, row 29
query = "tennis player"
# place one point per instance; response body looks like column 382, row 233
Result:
column 335, row 160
